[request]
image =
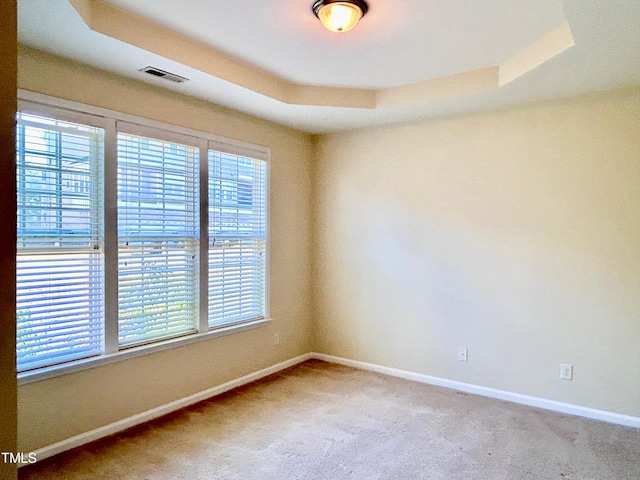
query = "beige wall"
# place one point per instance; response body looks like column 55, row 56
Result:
column 515, row 234
column 8, row 406
column 53, row 410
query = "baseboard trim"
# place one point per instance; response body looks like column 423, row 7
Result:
column 568, row 408
column 148, row 415
column 112, row 428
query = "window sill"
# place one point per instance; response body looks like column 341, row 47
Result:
column 93, row 362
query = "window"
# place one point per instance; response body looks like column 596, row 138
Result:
column 158, row 238
column 237, row 238
column 60, row 256
column 185, row 215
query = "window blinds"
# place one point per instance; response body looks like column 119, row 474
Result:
column 60, row 260
column 165, row 247
column 158, row 239
column 237, row 238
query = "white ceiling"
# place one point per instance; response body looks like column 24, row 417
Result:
column 397, row 43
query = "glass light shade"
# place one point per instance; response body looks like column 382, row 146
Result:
column 340, row 17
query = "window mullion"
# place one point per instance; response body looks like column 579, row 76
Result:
column 203, row 325
column 111, row 237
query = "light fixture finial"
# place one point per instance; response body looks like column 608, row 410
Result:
column 339, row 15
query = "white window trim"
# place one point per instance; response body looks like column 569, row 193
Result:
column 37, row 103
column 45, row 103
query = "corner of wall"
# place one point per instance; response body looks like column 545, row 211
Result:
column 8, row 87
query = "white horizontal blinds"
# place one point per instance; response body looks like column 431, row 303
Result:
column 237, row 238
column 158, row 239
column 60, row 261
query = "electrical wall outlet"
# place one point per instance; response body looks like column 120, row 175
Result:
column 566, row 371
column 276, row 338
column 462, row 354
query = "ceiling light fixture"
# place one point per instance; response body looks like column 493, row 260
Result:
column 339, row 15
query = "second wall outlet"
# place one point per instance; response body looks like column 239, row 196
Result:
column 462, row 354
column 566, row 371
column 276, row 338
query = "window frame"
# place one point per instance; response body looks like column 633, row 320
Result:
column 97, row 170
column 250, row 244
column 110, row 121
column 133, row 130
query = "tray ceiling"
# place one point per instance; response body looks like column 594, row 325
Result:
column 406, row 60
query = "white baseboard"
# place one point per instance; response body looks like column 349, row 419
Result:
column 148, row 415
column 568, row 408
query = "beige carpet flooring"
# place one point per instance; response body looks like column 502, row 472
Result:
column 325, row 421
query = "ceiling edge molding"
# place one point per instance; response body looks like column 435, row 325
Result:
column 443, row 87
column 542, row 50
column 152, row 37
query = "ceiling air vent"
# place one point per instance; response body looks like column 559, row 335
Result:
column 156, row 72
